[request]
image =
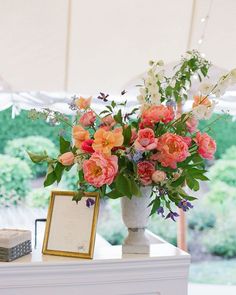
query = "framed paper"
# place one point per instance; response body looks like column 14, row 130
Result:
column 71, row 227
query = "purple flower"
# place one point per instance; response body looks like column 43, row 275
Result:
column 172, row 215
column 185, row 205
column 90, row 202
column 72, row 104
column 160, row 211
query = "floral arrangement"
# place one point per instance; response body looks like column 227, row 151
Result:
column 118, row 152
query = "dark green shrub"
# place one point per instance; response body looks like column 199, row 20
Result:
column 18, row 148
column 223, row 131
column 38, row 198
column 14, row 180
column 22, row 126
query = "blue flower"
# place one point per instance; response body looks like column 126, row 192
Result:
column 90, row 202
column 185, row 205
column 172, row 215
column 160, row 211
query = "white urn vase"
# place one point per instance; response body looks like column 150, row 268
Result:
column 135, row 215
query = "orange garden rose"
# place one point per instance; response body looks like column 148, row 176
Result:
column 104, row 140
column 83, row 103
column 100, row 169
column 87, row 119
column 155, row 114
column 172, row 149
column 79, row 135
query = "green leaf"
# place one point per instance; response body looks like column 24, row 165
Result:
column 78, row 196
column 38, row 158
column 59, row 169
column 50, row 178
column 155, row 206
column 64, row 145
column 114, row 194
column 127, row 133
column 118, row 117
column 134, row 187
column 192, row 183
column 123, row 185
column 178, row 182
column 113, row 104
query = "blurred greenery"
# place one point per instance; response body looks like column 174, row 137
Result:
column 214, row 272
column 38, row 198
column 224, row 171
column 14, row 180
column 22, row 126
column 223, row 131
column 37, row 144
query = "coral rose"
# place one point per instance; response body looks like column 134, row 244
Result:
column 145, row 171
column 146, row 140
column 86, row 146
column 192, row 124
column 83, row 103
column 104, row 140
column 79, row 134
column 157, row 113
column 158, row 176
column 206, row 145
column 100, row 169
column 67, row 159
column 87, row 119
column 172, row 149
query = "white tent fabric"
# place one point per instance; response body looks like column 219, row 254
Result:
column 86, row 46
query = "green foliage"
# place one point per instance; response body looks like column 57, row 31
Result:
column 223, row 131
column 22, row 126
column 14, row 180
column 37, row 144
column 201, row 219
column 222, row 239
column 38, row 198
column 221, row 193
column 230, row 153
column 224, row 171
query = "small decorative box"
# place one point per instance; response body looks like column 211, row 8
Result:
column 14, row 243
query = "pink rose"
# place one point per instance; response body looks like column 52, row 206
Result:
column 86, row 146
column 109, row 121
column 145, row 171
column 146, row 140
column 87, row 119
column 100, row 169
column 158, row 176
column 134, row 135
column 67, row 159
column 172, row 149
column 206, row 145
column 157, row 113
column 192, row 124
column 187, row 140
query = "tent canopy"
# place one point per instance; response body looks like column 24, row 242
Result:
column 86, row 46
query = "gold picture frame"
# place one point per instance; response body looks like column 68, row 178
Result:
column 64, row 220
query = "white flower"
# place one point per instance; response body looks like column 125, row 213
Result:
column 233, row 76
column 156, row 99
column 203, row 112
column 206, row 88
column 142, row 97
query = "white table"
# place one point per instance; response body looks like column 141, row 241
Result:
column 163, row 272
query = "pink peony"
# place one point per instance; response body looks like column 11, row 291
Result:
column 157, row 113
column 192, row 124
column 100, row 169
column 187, row 140
column 146, row 140
column 87, row 119
column 158, row 176
column 67, row 159
column 145, row 171
column 172, row 149
column 86, row 146
column 206, row 145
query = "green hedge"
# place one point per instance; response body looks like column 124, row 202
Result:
column 38, row 198
column 14, row 180
column 223, row 131
column 37, row 144
column 22, row 126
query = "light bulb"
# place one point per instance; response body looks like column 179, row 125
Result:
column 200, row 41
column 203, row 20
